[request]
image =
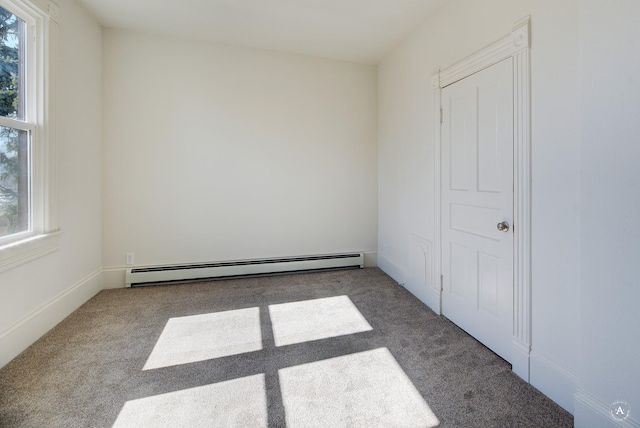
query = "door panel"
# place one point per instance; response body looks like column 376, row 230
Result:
column 475, row 220
column 477, row 194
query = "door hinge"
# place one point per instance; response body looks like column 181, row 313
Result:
column 441, row 282
column 441, row 115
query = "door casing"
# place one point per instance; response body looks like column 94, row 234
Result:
column 516, row 45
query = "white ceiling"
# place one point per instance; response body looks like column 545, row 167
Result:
column 353, row 30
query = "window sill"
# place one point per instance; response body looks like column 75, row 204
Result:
column 21, row 252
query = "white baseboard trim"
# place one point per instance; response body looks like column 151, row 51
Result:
column 392, row 269
column 25, row 332
column 521, row 359
column 370, row 259
column 591, row 412
column 554, row 379
column 430, row 297
column 114, row 277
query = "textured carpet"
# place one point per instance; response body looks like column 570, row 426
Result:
column 342, row 348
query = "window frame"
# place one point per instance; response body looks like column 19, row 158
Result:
column 41, row 20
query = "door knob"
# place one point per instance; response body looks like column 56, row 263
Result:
column 503, row 226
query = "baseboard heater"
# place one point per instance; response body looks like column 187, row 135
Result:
column 188, row 272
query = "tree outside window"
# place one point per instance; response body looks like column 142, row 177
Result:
column 14, row 142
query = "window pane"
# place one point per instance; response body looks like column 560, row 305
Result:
column 12, row 94
column 14, row 181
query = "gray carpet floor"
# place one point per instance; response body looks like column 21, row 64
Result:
column 84, row 371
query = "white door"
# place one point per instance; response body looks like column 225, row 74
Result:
column 477, row 205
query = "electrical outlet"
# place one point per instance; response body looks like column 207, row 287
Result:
column 129, row 258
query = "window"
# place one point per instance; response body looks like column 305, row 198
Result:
column 15, row 130
column 27, row 225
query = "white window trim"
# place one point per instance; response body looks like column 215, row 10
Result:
column 26, row 250
column 42, row 16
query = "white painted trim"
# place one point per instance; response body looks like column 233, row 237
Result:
column 504, row 48
column 554, row 379
column 520, row 358
column 591, row 412
column 54, row 12
column 370, row 259
column 421, row 283
column 18, row 253
column 41, row 105
column 114, row 277
column 522, row 199
column 516, row 46
column 437, row 161
column 45, row 7
column 48, row 122
column 25, row 332
column 42, row 5
column 17, row 124
column 393, row 269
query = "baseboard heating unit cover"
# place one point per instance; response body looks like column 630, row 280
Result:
column 188, row 272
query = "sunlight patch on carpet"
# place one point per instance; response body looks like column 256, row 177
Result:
column 203, row 337
column 236, row 403
column 299, row 322
column 364, row 389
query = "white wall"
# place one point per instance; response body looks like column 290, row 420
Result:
column 36, row 296
column 219, row 153
column 202, row 142
column 406, row 164
column 610, row 42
